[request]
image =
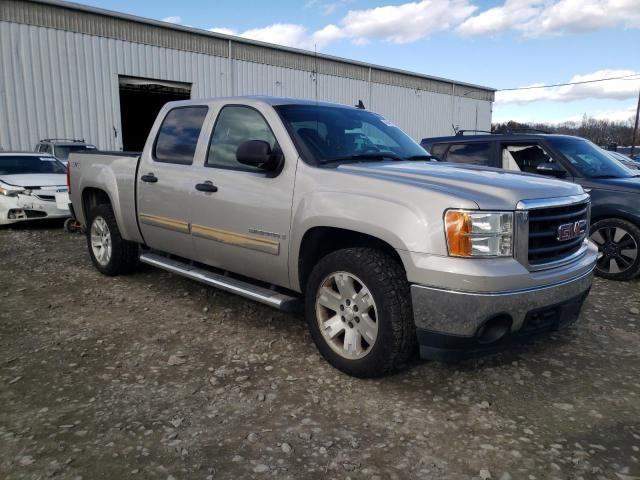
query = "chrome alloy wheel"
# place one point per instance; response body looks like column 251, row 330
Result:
column 346, row 315
column 618, row 248
column 101, row 241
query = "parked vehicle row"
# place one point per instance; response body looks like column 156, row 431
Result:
column 614, row 189
column 62, row 147
column 291, row 202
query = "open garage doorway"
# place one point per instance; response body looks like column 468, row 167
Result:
column 140, row 101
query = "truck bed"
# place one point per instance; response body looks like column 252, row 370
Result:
column 112, row 172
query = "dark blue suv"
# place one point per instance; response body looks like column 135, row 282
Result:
column 614, row 189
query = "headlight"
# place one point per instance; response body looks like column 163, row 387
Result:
column 10, row 191
column 479, row 234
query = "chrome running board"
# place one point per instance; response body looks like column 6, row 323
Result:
column 260, row 294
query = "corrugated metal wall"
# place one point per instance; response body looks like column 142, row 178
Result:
column 57, row 83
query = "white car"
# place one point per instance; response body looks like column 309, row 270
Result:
column 32, row 186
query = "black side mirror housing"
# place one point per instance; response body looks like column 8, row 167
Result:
column 258, row 153
column 551, row 169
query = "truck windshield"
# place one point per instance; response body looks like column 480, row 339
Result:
column 63, row 151
column 19, row 164
column 333, row 135
column 589, row 160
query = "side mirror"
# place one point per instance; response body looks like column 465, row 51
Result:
column 258, row 153
column 551, row 169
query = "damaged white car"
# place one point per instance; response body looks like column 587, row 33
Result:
column 32, row 186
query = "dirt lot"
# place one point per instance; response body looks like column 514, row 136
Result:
column 154, row 376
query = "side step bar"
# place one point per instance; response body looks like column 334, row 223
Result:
column 233, row 285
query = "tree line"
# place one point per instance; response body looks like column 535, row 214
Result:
column 600, row 132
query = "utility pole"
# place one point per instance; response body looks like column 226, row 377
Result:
column 635, row 129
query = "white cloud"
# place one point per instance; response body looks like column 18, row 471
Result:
column 612, row 89
column 531, row 115
column 290, row 35
column 536, row 18
column 173, row 19
column 617, row 115
column 509, row 16
column 402, row 23
column 407, row 22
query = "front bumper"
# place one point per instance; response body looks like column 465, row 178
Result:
column 23, row 207
column 455, row 324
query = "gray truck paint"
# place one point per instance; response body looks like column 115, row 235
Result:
column 400, row 203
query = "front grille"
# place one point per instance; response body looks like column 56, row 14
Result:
column 544, row 246
column 35, row 214
column 46, row 198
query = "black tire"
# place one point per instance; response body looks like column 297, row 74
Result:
column 124, row 254
column 616, row 262
column 386, row 281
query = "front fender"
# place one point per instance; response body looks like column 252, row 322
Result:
column 392, row 221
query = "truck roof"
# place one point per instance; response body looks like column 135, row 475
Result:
column 269, row 100
column 493, row 136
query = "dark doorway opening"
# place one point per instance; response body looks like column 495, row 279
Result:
column 140, row 101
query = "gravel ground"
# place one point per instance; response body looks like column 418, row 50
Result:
column 154, row 376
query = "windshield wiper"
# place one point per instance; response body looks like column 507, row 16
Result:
column 363, row 157
column 605, row 176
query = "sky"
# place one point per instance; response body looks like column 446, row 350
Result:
column 496, row 43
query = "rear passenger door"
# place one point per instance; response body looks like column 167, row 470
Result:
column 166, row 178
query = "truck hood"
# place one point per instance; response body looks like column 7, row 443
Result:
column 489, row 188
column 629, row 184
column 35, row 179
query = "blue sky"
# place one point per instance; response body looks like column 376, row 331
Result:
column 497, row 43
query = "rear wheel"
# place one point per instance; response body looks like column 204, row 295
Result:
column 358, row 308
column 110, row 253
column 618, row 243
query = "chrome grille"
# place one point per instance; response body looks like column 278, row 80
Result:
column 551, row 232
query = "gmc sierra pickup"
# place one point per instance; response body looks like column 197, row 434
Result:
column 293, row 202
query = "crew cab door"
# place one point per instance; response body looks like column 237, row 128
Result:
column 166, row 178
column 241, row 221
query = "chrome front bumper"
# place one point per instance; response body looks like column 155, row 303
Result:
column 448, row 321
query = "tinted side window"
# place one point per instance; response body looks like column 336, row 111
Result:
column 472, row 153
column 236, row 125
column 178, row 135
column 438, row 150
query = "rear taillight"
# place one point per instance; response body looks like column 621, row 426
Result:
column 69, row 177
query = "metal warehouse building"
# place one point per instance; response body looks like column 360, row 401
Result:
column 70, row 71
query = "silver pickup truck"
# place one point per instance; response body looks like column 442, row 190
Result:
column 333, row 208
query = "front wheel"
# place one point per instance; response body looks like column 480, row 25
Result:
column 618, row 242
column 358, row 308
column 110, row 253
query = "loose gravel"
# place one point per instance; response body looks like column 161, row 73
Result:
column 154, row 376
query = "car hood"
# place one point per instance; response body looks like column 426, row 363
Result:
column 629, row 184
column 35, row 179
column 489, row 188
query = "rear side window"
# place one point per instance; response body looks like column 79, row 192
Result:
column 471, row 153
column 178, row 135
column 438, row 150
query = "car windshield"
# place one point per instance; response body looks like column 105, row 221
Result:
column 590, row 160
column 62, row 151
column 19, row 164
column 333, row 135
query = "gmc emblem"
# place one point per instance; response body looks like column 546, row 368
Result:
column 569, row 231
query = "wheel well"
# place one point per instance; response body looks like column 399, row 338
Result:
column 92, row 197
column 617, row 216
column 320, row 241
